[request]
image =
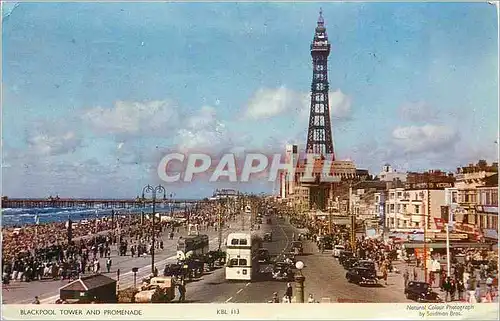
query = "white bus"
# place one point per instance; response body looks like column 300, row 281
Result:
column 242, row 256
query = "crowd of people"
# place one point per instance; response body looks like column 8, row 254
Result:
column 474, row 272
column 34, row 252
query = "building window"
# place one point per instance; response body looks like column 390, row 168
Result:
column 417, row 209
column 392, row 208
column 488, row 198
column 417, row 224
column 400, row 194
column 494, row 197
column 453, row 197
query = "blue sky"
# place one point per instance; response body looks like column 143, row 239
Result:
column 95, row 93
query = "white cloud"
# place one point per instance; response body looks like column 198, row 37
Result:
column 268, row 103
column 427, row 138
column 418, row 111
column 203, row 130
column 49, row 139
column 272, row 102
column 153, row 118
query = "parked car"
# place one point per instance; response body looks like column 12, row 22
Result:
column 361, row 275
column 337, row 249
column 297, row 247
column 421, row 292
column 268, row 237
column 349, row 263
column 366, row 264
column 264, row 256
column 344, row 255
column 282, row 271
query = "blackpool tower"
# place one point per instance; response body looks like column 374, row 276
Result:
column 319, row 135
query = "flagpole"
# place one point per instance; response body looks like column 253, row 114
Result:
column 37, row 221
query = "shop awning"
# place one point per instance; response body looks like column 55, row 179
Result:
column 490, row 234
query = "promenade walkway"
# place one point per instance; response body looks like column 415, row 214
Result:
column 48, row 290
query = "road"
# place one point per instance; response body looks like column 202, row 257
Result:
column 48, row 290
column 325, row 279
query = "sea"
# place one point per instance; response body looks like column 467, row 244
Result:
column 18, row 217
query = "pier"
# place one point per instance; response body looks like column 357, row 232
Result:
column 88, row 203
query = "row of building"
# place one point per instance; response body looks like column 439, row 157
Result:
column 400, row 202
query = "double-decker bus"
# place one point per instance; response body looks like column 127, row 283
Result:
column 242, row 261
column 192, row 245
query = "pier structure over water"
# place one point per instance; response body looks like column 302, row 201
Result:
column 88, row 203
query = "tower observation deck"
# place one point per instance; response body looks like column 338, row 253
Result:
column 319, row 136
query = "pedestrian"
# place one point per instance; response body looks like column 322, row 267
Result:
column 384, row 273
column 182, row 290
column 453, row 289
column 477, row 293
column 406, row 276
column 415, row 275
column 289, row 292
column 36, row 301
column 447, row 288
column 108, row 265
column 460, row 289
column 276, row 298
column 310, row 299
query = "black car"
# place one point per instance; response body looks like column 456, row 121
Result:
column 264, row 256
column 361, row 275
column 421, row 292
column 366, row 264
column 282, row 271
column 344, row 255
column 268, row 237
column 297, row 247
column 349, row 263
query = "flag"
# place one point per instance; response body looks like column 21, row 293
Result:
column 37, row 220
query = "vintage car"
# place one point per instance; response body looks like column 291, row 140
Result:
column 268, row 237
column 263, row 256
column 350, row 262
column 337, row 249
column 297, row 247
column 344, row 255
column 361, row 275
column 421, row 292
column 282, row 271
column 366, row 264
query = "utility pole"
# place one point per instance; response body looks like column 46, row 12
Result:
column 353, row 221
column 426, row 222
column 220, row 226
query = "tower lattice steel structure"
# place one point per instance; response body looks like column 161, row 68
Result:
column 319, row 136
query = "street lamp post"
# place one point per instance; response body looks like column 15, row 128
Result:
column 219, row 223
column 299, row 282
column 153, row 190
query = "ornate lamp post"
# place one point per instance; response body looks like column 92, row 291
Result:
column 153, row 190
column 299, row 282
